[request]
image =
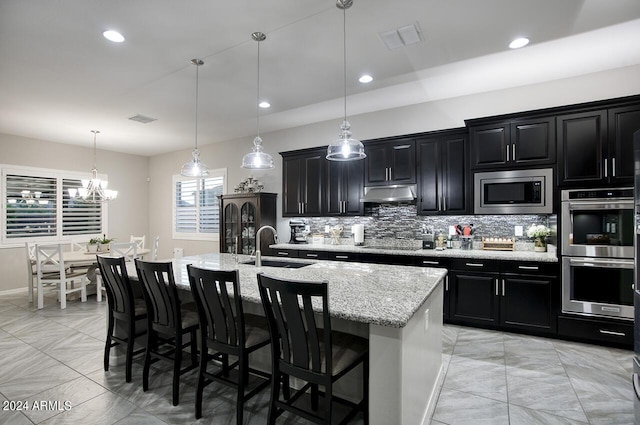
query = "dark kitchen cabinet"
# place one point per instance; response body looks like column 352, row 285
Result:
column 302, row 182
column 442, row 177
column 595, row 147
column 241, row 215
column 522, row 142
column 473, row 293
column 390, row 161
column 344, row 188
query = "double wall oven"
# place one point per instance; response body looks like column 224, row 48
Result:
column 597, row 252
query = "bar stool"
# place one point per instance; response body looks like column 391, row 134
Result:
column 301, row 349
column 167, row 322
column 123, row 306
column 225, row 328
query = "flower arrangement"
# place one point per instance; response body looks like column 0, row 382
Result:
column 539, row 232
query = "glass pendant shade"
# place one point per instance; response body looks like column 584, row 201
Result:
column 257, row 159
column 345, row 147
column 195, row 168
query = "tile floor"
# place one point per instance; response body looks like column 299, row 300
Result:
column 492, row 378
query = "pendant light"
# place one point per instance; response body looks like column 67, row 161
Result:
column 195, row 168
column 94, row 190
column 258, row 159
column 345, row 148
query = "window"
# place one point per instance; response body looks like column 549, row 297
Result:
column 37, row 206
column 196, row 207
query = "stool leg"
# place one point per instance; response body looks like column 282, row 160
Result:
column 177, row 362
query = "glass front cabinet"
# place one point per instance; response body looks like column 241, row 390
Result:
column 241, row 215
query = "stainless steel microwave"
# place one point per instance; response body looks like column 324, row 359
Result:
column 514, row 192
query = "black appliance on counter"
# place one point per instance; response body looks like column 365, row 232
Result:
column 636, row 292
column 298, row 231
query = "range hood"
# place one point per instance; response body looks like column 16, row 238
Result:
column 395, row 193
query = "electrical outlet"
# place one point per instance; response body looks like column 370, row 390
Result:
column 326, row 229
column 519, row 230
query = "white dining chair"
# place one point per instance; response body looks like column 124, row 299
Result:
column 51, row 269
column 128, row 250
column 154, row 253
column 30, row 249
column 140, row 240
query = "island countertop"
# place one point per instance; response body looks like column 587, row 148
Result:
column 479, row 254
column 368, row 293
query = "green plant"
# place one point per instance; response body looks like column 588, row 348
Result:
column 94, row 241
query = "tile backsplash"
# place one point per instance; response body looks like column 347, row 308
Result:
column 400, row 221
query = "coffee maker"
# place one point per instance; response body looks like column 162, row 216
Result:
column 298, row 232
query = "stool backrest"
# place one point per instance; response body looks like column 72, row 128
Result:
column 119, row 291
column 296, row 337
column 217, row 297
column 160, row 294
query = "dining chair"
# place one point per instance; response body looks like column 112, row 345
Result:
column 167, row 322
column 123, row 307
column 228, row 331
column 139, row 240
column 310, row 351
column 51, row 269
column 128, row 250
column 156, row 244
column 32, row 272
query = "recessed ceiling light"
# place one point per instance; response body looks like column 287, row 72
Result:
column 264, row 104
column 366, row 78
column 114, row 36
column 519, row 42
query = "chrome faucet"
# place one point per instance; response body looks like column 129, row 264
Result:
column 258, row 253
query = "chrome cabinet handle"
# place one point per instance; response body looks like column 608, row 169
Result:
column 513, row 152
column 312, row 255
column 433, row 263
column 446, row 283
column 444, row 203
column 342, row 257
column 497, row 287
column 614, row 333
column 507, row 153
column 528, row 267
column 474, row 264
column 613, row 166
column 283, row 253
column 605, row 168
column 503, row 292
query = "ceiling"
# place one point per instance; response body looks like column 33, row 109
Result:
column 59, row 78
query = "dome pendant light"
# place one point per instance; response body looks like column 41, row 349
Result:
column 258, row 159
column 195, row 168
column 345, row 148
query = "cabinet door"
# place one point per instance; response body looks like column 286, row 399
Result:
column 403, row 162
column 344, row 187
column 623, row 122
column 429, row 197
column 489, row 144
column 474, row 298
column 453, row 175
column 581, row 141
column 526, row 303
column 230, row 225
column 313, row 175
column 291, row 183
column 376, row 164
column 248, row 229
column 533, row 141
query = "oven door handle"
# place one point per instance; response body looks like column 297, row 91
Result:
column 600, row 205
column 595, row 262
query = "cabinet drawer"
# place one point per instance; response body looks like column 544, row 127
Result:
column 530, row 268
column 342, row 256
column 315, row 255
column 596, row 330
column 475, row 265
column 285, row 253
column 430, row 262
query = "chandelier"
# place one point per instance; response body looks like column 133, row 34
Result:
column 93, row 190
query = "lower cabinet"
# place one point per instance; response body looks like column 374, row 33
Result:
column 610, row 332
column 510, row 296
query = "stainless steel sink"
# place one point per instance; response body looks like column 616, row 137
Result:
column 279, row 263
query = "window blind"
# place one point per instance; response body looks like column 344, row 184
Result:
column 30, row 206
column 79, row 218
column 197, row 208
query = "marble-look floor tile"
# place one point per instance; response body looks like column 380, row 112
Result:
column 12, row 415
column 78, row 351
column 585, row 355
column 602, row 409
column 537, row 348
column 536, row 369
column 556, row 398
column 522, row 416
column 613, row 382
column 105, row 409
column 460, row 408
column 481, row 378
column 140, row 417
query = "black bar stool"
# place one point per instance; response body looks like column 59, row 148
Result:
column 167, row 322
column 226, row 329
column 302, row 349
column 123, row 306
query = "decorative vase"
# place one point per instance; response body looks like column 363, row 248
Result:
column 540, row 245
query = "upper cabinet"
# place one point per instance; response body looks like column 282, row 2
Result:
column 522, row 142
column 442, row 176
column 596, row 147
column 390, row 161
column 344, row 188
column 302, row 182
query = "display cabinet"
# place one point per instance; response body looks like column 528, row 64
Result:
column 241, row 215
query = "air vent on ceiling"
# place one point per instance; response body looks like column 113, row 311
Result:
column 142, row 118
column 403, row 36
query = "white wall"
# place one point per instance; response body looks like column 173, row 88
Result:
column 449, row 113
column 127, row 215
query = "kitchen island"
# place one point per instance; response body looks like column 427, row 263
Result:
column 398, row 308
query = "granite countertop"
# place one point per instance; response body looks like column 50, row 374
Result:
column 545, row 257
column 369, row 293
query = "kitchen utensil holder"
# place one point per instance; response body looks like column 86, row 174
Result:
column 466, row 242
